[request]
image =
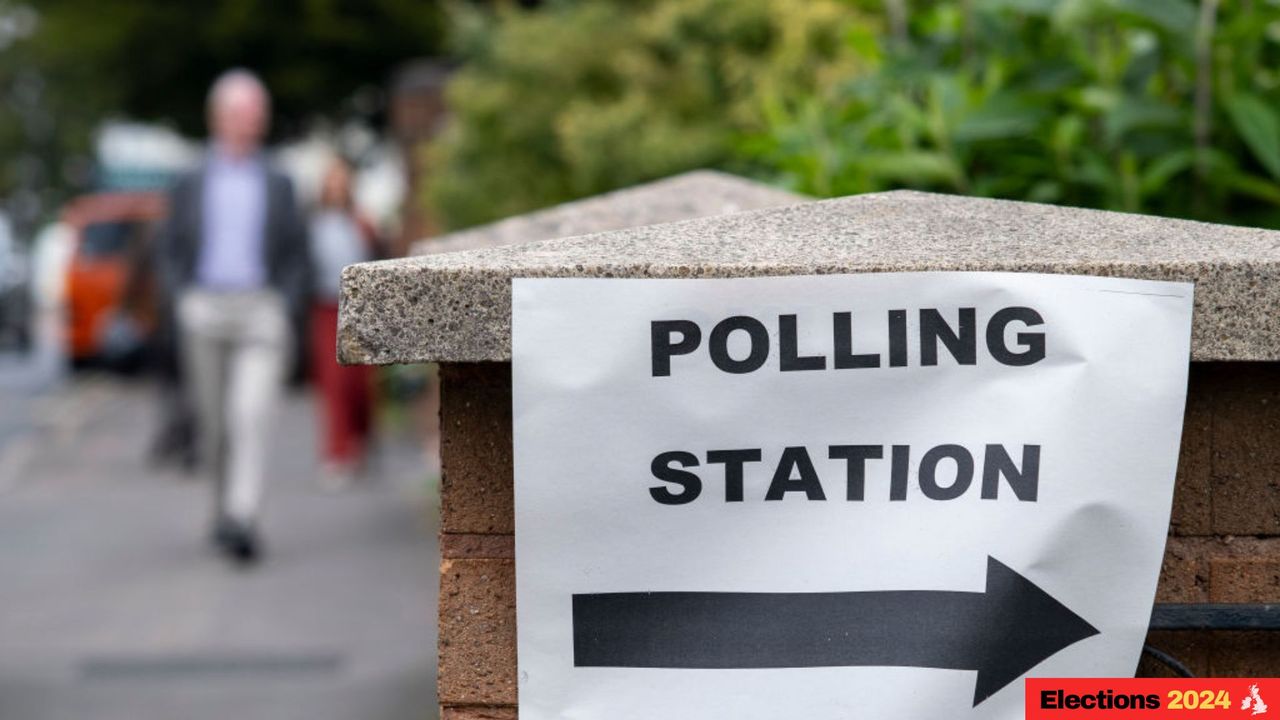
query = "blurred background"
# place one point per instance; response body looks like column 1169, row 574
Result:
column 452, row 114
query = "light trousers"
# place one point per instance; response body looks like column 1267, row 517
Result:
column 236, row 348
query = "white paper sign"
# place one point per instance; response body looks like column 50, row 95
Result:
column 886, row 496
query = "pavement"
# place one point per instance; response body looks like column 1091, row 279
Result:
column 112, row 604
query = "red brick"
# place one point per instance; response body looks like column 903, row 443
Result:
column 1184, row 574
column 1215, row 654
column 477, row 632
column 1228, row 569
column 464, row 546
column 1245, row 654
column 1245, row 580
column 475, row 448
column 1190, row 648
column 478, row 712
column 1245, row 485
column 1192, row 509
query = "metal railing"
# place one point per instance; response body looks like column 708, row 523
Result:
column 1208, row 616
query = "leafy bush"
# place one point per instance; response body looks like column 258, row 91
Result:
column 574, row 99
column 1158, row 106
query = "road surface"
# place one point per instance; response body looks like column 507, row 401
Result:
column 112, row 604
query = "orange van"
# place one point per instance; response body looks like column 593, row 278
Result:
column 109, row 275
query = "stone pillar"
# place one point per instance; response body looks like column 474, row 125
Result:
column 477, row 576
column 1224, row 536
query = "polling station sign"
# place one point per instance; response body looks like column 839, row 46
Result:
column 889, row 496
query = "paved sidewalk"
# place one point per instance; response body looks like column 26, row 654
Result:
column 113, row 606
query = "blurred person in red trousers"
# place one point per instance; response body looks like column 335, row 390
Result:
column 339, row 237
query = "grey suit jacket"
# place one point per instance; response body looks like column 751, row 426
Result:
column 288, row 261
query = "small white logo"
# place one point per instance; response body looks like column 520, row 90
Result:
column 1254, row 702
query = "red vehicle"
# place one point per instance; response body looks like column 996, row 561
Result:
column 109, row 278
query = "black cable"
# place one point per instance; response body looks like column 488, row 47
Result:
column 1169, row 661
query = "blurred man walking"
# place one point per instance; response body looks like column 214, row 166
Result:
column 234, row 254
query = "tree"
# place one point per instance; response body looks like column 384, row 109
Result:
column 1159, row 106
column 576, row 98
column 153, row 60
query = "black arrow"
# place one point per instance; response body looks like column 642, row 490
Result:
column 1001, row 633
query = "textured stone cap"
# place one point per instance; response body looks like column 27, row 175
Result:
column 682, row 197
column 456, row 307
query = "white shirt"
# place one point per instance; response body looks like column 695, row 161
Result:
column 336, row 242
column 234, row 223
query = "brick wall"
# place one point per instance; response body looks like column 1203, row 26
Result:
column 1224, row 535
column 477, row 568
column 1224, row 543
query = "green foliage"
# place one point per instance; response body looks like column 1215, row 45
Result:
column 578, row 98
column 153, row 60
column 1160, row 106
column 1259, row 126
column 1139, row 105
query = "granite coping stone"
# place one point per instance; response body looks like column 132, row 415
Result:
column 456, row 307
column 695, row 194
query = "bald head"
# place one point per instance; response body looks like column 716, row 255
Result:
column 239, row 112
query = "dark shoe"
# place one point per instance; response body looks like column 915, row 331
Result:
column 238, row 541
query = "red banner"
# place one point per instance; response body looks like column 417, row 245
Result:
column 1163, row 698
